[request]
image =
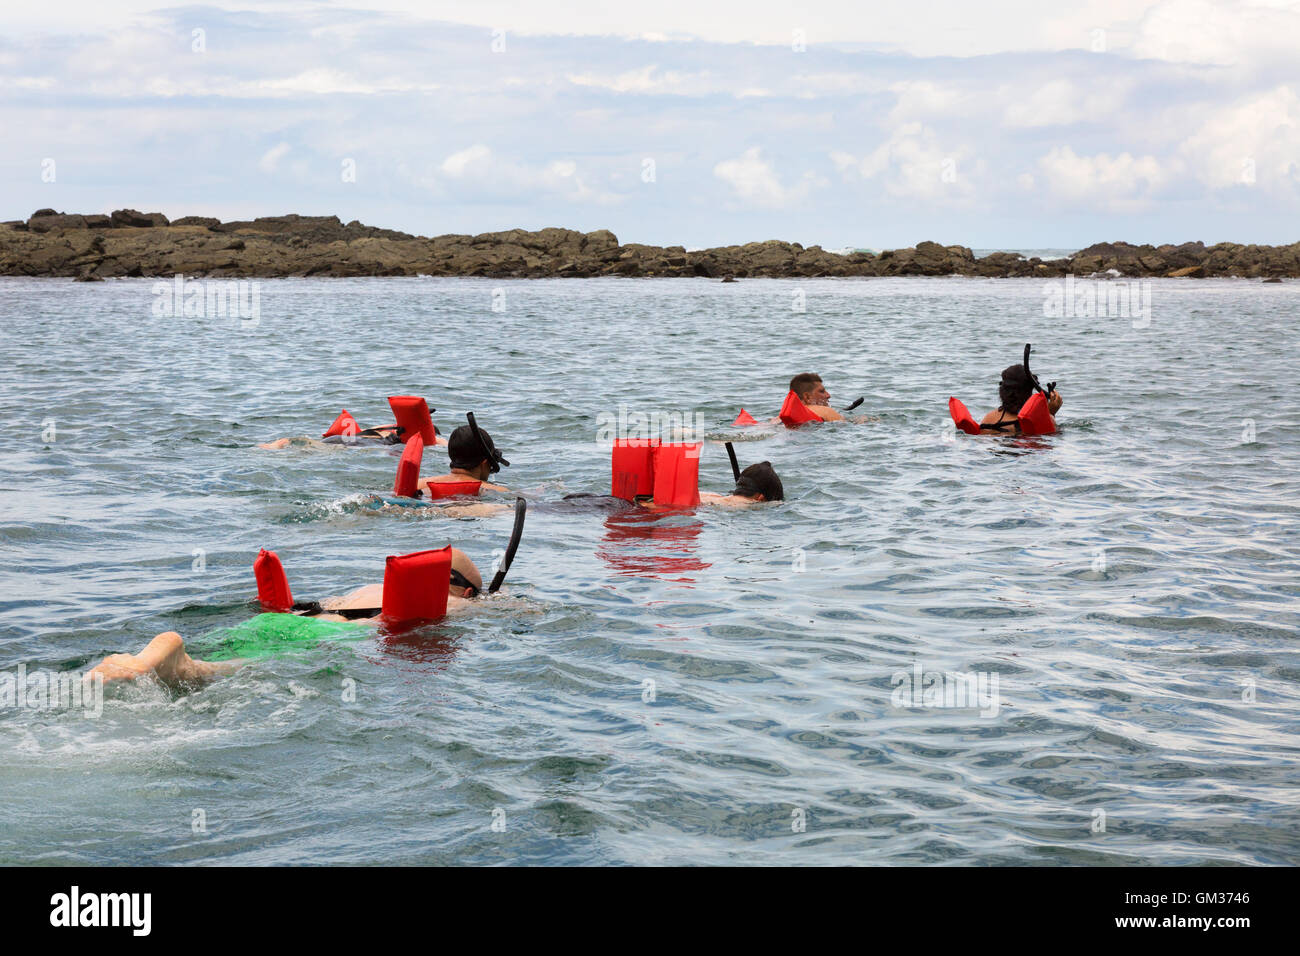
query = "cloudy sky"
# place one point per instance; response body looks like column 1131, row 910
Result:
column 1000, row 124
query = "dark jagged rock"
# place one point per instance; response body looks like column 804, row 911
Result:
column 140, row 220
column 131, row 243
column 207, row 222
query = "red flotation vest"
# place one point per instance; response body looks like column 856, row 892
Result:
column 744, row 418
column 677, row 475
column 345, row 424
column 407, row 482
column 272, row 583
column 1034, row 417
column 452, row 489
column 795, row 413
column 412, row 414
column 415, row 585
column 962, row 417
column 633, row 470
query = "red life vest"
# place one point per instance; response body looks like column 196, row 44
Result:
column 272, row 583
column 795, row 413
column 415, row 586
column 452, row 489
column 412, row 414
column 632, row 465
column 407, row 482
column 744, row 418
column 962, row 417
column 668, row 472
column 1035, row 417
column 345, row 424
column 677, row 475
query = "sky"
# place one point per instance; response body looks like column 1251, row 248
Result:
column 1003, row 124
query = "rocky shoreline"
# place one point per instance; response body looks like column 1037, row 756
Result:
column 129, row 244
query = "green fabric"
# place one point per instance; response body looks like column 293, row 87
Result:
column 270, row 634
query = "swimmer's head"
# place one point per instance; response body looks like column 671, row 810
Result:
column 760, row 483
column 467, row 454
column 808, row 386
column 469, row 577
column 1015, row 388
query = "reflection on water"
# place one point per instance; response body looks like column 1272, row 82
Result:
column 652, row 544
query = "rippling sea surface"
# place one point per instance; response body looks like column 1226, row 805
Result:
column 709, row 687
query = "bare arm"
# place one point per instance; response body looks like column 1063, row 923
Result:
column 826, row 413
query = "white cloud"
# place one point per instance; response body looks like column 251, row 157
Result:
column 912, row 163
column 271, row 158
column 1244, row 33
column 1253, row 142
column 1122, row 182
column 1063, row 102
column 486, row 175
column 753, row 180
column 923, row 99
column 457, row 164
column 652, row 80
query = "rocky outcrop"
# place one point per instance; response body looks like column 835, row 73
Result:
column 132, row 243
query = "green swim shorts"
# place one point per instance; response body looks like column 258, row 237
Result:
column 269, row 635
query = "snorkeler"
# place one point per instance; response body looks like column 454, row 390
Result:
column 165, row 657
column 636, row 473
column 473, row 458
column 808, row 387
column 652, row 474
column 756, row 484
column 806, row 402
column 412, row 414
column 418, row 587
column 1027, row 408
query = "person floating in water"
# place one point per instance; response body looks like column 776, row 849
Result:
column 411, row 411
column 807, row 402
column 1014, row 390
column 166, row 658
column 474, row 458
column 1027, row 407
column 812, row 392
column 757, row 484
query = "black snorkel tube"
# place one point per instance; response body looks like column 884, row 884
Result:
column 491, row 453
column 735, row 466
column 521, row 510
column 1051, row 386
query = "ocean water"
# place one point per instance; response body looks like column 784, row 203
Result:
column 707, row 687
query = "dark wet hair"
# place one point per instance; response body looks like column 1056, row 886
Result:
column 1014, row 389
column 802, row 383
column 760, row 479
column 464, row 449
